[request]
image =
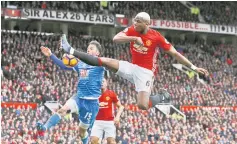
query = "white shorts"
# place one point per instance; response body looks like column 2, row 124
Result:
column 101, row 126
column 141, row 77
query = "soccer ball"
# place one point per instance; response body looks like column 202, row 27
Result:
column 69, row 60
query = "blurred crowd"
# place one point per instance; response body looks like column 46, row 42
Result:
column 202, row 127
column 218, row 12
column 213, row 12
column 28, row 76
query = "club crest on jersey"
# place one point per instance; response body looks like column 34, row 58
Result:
column 84, row 73
column 148, row 43
column 107, row 98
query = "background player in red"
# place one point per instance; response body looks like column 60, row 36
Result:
column 105, row 120
column 144, row 46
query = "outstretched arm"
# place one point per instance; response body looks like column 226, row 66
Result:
column 59, row 63
column 123, row 38
column 183, row 60
column 47, row 52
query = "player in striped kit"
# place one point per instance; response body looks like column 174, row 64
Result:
column 105, row 120
column 86, row 102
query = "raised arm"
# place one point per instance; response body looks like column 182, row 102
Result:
column 121, row 37
column 47, row 52
column 127, row 36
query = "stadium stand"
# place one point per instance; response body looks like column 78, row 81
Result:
column 213, row 12
column 28, row 76
column 218, row 12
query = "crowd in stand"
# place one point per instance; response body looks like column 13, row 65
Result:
column 31, row 74
column 202, row 127
column 213, row 12
column 31, row 77
column 218, row 12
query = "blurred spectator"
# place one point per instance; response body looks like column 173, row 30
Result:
column 44, row 5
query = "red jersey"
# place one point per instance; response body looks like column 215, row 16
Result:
column 146, row 56
column 107, row 101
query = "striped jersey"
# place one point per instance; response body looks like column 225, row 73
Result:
column 90, row 80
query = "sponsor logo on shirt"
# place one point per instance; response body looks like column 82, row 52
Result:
column 104, row 104
column 140, row 49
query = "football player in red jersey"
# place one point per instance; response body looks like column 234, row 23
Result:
column 144, row 46
column 105, row 120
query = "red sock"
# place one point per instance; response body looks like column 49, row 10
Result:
column 100, row 61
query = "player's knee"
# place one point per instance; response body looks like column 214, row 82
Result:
column 143, row 106
column 62, row 112
column 94, row 140
column 105, row 60
column 110, row 63
column 143, row 100
column 111, row 141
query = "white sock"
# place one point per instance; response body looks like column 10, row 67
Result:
column 71, row 51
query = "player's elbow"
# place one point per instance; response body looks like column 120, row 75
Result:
column 116, row 39
column 119, row 37
column 173, row 53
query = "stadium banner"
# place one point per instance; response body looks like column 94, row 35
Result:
column 121, row 22
column 223, row 29
column 10, row 12
column 178, row 25
column 16, row 105
column 184, row 26
column 68, row 16
column 188, row 108
column 2, row 11
column 190, row 26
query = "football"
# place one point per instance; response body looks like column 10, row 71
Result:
column 69, row 60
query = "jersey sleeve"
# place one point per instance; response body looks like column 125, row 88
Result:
column 128, row 31
column 114, row 97
column 163, row 43
column 59, row 62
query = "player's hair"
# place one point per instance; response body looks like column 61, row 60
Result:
column 143, row 16
column 98, row 46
